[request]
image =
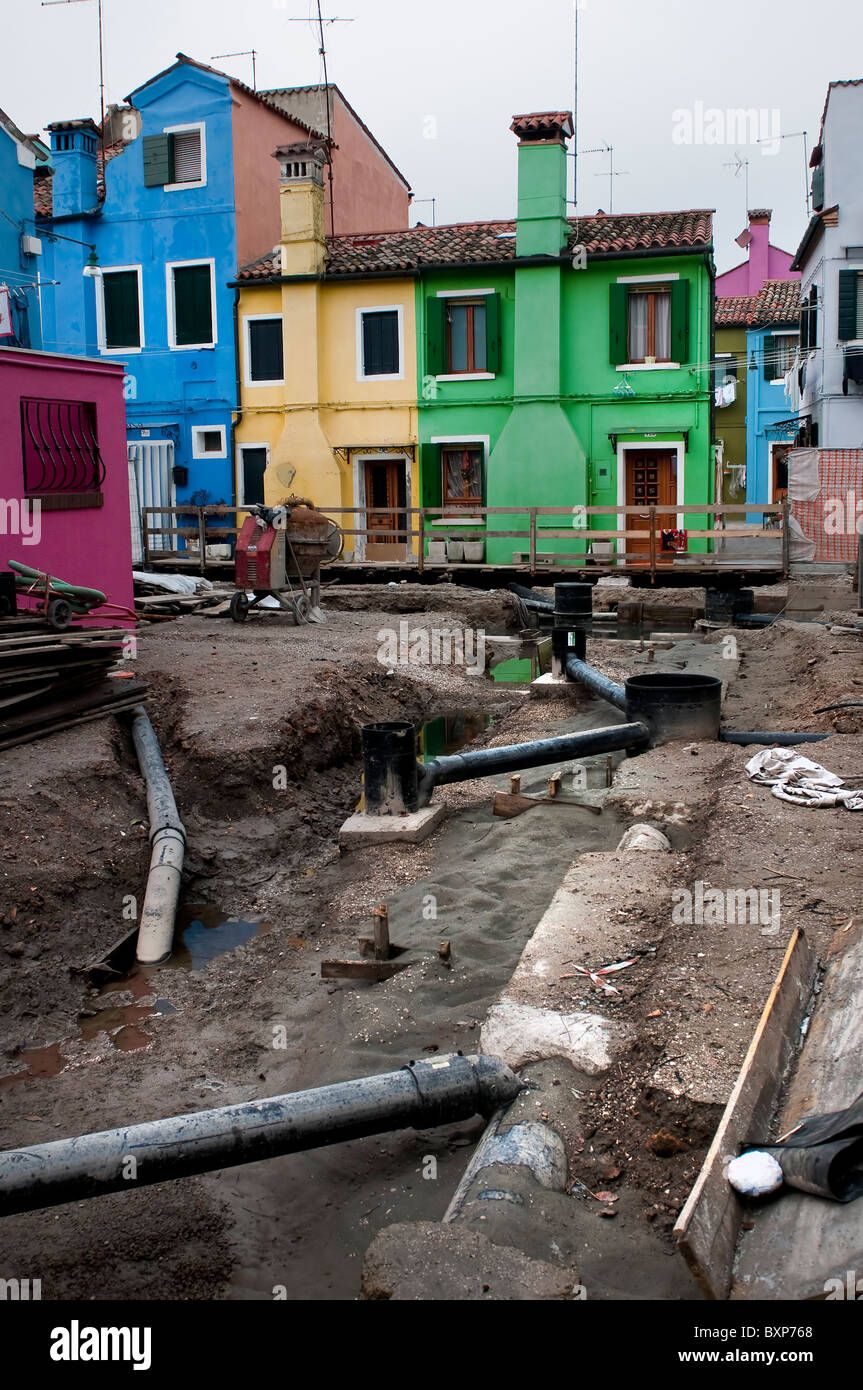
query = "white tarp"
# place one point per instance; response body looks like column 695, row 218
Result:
column 797, row 779
column 804, row 475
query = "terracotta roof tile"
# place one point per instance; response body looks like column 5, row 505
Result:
column 543, row 125
column 778, row 301
column 485, row 243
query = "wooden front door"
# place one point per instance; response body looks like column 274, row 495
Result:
column 386, row 486
column 651, row 481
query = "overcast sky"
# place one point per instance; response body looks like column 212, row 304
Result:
column 438, row 84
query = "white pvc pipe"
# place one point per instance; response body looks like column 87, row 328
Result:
column 168, row 842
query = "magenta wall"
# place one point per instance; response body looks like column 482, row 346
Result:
column 91, row 546
column 765, row 262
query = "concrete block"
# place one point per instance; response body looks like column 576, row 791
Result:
column 362, row 829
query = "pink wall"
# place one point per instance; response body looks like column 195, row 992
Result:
column 92, row 545
column 258, row 133
column 765, row 262
column 369, row 195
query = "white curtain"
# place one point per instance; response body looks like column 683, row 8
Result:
column 637, row 327
column 662, row 311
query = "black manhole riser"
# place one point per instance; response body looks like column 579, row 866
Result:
column 676, row 707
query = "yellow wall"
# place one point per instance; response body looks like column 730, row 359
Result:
column 322, row 406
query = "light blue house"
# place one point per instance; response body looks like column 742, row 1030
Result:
column 772, row 341
column 21, row 270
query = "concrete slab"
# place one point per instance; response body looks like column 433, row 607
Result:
column 519, row 1034
column 362, row 829
column 549, row 687
column 419, row 1261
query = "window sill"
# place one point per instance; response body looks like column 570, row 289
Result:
column 459, row 520
column 175, row 187
column 382, row 376
column 191, row 347
column 467, row 376
column 119, row 351
column 251, row 385
column 649, row 367
column 66, row 501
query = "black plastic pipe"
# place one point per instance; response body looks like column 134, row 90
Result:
column 486, row 762
column 422, row 1094
column 768, row 739
column 596, row 682
column 390, row 769
column 530, row 599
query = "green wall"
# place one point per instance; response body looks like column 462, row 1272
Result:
column 551, row 408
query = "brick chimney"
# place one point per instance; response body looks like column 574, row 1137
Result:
column 303, row 235
column 757, row 240
column 74, row 148
column 542, row 228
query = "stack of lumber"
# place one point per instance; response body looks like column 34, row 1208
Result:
column 52, row 680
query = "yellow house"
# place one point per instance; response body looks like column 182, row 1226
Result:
column 328, row 377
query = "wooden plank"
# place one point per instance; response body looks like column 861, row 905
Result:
column 708, row 1227
column 374, row 970
column 800, row 1241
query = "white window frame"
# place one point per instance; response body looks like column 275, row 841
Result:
column 184, row 130
column 780, row 333
column 101, row 326
column 361, row 365
column 248, row 444
column 170, row 267
column 198, row 453
column 485, row 441
column 248, row 379
column 465, row 376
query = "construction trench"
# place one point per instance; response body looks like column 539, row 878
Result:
column 497, row 919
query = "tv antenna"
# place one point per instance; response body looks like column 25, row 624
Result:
column 796, row 135
column 242, row 53
column 46, row 3
column 612, row 173
column 416, row 201
column 321, row 21
column 739, row 164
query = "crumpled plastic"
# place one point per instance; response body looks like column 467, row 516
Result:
column 801, row 781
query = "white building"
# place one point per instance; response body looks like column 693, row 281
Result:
column 830, row 259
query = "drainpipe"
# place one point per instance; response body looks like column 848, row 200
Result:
column 778, row 740
column 596, row 682
column 238, row 412
column 420, row 1095
column 487, row 762
column 168, row 841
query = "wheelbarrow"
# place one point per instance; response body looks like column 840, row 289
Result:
column 59, row 602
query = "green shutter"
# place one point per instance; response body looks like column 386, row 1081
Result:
column 122, row 323
column 618, row 325
column 492, row 328
column 848, row 280
column 193, row 305
column 818, row 188
column 769, row 359
column 435, row 336
column 158, row 160
column 680, row 320
column 431, row 484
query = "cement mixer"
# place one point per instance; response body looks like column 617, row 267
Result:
column 279, row 555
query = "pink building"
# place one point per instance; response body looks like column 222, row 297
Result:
column 64, row 475
column 764, row 262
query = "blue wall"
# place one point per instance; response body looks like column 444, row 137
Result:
column 169, row 391
column 766, row 405
column 17, row 270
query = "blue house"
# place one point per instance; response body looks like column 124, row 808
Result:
column 144, row 231
column 772, row 341
column 146, row 223
column 21, row 273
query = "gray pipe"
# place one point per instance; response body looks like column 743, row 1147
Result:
column 530, row 599
column 486, row 762
column 167, row 841
column 780, row 740
column 422, row 1094
column 596, row 682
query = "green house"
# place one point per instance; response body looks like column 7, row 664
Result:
column 566, row 364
